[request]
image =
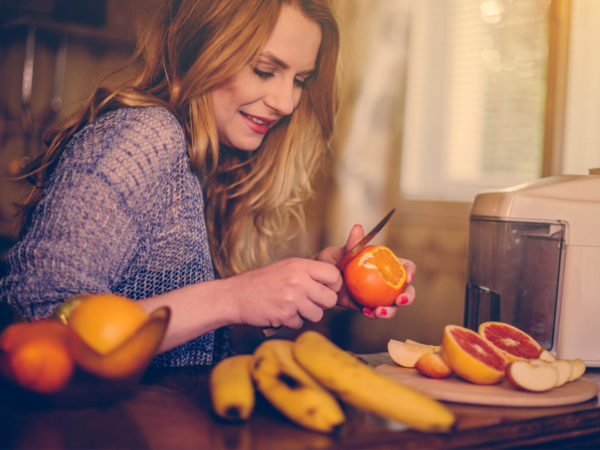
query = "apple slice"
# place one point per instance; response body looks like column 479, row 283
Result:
column 407, row 354
column 577, row 369
column 564, row 368
column 433, row 365
column 547, row 356
column 436, row 348
column 532, row 377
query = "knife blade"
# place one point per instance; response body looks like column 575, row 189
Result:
column 364, row 241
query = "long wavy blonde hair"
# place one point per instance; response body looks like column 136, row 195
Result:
column 188, row 48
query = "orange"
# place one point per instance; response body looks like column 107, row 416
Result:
column 375, row 277
column 42, row 365
column 471, row 357
column 8, row 339
column 36, row 355
column 104, row 321
column 515, row 344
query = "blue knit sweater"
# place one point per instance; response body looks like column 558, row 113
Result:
column 122, row 213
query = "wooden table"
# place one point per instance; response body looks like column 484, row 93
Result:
column 170, row 409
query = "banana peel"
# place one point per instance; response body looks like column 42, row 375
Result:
column 305, row 379
column 231, row 388
column 291, row 390
column 360, row 385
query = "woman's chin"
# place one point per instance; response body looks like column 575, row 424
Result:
column 244, row 145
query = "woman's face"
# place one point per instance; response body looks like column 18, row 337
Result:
column 251, row 102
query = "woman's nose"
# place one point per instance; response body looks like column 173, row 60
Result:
column 283, row 96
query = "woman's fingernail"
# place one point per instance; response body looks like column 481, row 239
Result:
column 367, row 311
column 383, row 312
column 403, row 300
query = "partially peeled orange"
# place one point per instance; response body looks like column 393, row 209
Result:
column 375, row 277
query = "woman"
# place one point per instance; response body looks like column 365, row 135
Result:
column 171, row 188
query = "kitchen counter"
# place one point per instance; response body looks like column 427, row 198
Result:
column 171, row 409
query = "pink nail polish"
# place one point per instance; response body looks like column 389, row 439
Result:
column 403, row 300
column 367, row 311
column 383, row 312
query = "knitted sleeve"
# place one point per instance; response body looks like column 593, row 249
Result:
column 95, row 221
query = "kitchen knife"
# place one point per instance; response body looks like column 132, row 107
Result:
column 348, row 256
column 364, row 241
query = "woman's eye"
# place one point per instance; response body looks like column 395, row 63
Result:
column 301, row 83
column 262, row 74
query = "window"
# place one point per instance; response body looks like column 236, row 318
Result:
column 475, row 96
column 581, row 147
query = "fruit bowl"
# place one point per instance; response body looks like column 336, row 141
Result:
column 101, row 378
column 131, row 357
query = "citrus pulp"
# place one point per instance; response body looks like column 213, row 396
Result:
column 514, row 343
column 375, row 277
column 472, row 357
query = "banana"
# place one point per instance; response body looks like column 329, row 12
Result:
column 291, row 390
column 360, row 385
column 231, row 388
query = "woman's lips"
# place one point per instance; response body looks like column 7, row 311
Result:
column 257, row 124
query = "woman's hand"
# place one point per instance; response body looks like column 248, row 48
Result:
column 285, row 293
column 333, row 254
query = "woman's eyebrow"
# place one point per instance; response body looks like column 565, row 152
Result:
column 274, row 59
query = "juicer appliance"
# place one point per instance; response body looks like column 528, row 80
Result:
column 534, row 262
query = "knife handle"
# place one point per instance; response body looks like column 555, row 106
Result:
column 268, row 332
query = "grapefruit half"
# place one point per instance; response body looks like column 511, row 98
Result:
column 514, row 343
column 471, row 357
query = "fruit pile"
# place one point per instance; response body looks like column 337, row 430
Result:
column 308, row 380
column 108, row 336
column 497, row 351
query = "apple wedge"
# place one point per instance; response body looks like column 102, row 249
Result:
column 577, row 369
column 564, row 368
column 407, row 354
column 432, row 365
column 547, row 356
column 436, row 348
column 532, row 377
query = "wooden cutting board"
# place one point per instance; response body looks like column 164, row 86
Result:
column 454, row 389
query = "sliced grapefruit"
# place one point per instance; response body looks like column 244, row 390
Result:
column 471, row 357
column 514, row 343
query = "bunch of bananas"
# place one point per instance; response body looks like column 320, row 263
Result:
column 305, row 379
